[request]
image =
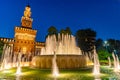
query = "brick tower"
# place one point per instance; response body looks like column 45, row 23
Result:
column 24, row 34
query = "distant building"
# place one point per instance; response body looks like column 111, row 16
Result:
column 25, row 37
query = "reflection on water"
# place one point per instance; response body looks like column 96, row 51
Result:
column 97, row 78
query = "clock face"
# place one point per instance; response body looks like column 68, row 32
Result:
column 26, row 24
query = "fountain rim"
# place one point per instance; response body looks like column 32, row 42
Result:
column 62, row 55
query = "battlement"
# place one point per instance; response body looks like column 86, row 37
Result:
column 7, row 40
column 25, row 30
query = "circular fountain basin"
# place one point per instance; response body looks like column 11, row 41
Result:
column 63, row 61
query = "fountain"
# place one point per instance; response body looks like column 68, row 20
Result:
column 116, row 62
column 10, row 59
column 64, row 45
column 6, row 57
column 96, row 64
column 109, row 61
column 59, row 52
column 68, row 54
column 89, row 60
column 55, row 70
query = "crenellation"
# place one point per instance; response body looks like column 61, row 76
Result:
column 25, row 30
column 7, row 40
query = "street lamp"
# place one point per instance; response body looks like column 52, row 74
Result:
column 115, row 51
column 106, row 44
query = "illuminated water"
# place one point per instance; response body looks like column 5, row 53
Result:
column 109, row 61
column 18, row 72
column 10, row 59
column 55, row 71
column 65, row 45
column 116, row 62
column 96, row 70
column 6, row 57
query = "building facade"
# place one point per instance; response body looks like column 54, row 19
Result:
column 25, row 37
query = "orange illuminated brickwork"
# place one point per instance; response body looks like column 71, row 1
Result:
column 24, row 40
column 25, row 35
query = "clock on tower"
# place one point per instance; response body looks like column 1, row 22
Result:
column 26, row 20
column 26, row 23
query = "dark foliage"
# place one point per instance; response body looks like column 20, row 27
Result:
column 86, row 39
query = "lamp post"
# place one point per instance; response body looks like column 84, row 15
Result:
column 106, row 44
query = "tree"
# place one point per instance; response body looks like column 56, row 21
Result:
column 62, row 31
column 52, row 31
column 114, row 45
column 103, row 54
column 66, row 31
column 86, row 39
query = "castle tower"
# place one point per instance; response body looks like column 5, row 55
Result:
column 26, row 20
column 24, row 34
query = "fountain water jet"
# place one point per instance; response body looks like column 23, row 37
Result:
column 18, row 72
column 96, row 64
column 55, row 70
column 6, row 57
column 63, row 45
column 116, row 62
column 109, row 61
column 16, row 59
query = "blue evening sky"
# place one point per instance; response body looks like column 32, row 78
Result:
column 103, row 16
